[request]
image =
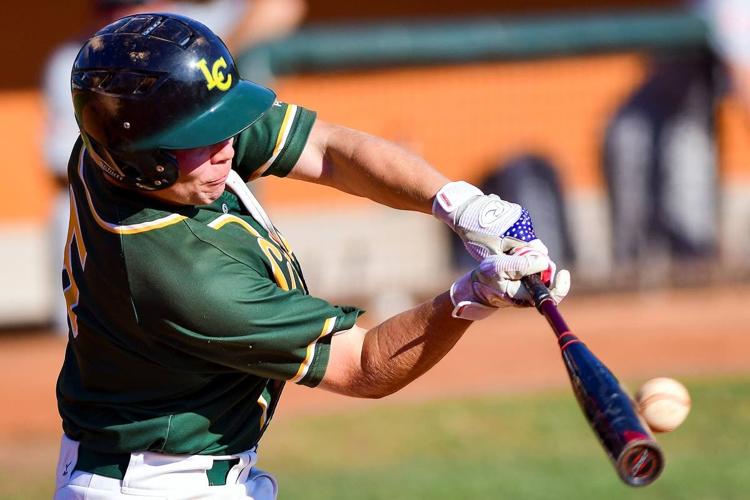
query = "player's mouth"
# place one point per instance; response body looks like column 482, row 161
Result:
column 219, row 181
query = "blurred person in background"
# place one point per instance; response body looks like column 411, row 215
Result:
column 660, row 153
column 241, row 23
column 659, row 157
column 728, row 22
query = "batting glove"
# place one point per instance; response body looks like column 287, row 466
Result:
column 496, row 283
column 487, row 224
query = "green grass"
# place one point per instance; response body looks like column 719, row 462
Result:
column 514, row 447
column 534, row 447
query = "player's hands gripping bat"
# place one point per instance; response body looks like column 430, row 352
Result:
column 609, row 410
column 495, row 283
column 501, row 236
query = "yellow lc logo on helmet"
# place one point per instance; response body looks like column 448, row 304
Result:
column 216, row 77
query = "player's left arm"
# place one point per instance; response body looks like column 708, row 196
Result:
column 290, row 142
column 368, row 166
column 364, row 165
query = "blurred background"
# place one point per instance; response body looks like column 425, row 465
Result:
column 622, row 125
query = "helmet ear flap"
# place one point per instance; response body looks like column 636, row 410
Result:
column 146, row 170
column 164, row 172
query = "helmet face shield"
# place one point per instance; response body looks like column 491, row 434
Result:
column 152, row 82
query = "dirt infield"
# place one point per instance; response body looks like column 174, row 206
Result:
column 676, row 333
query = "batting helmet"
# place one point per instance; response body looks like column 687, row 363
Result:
column 150, row 83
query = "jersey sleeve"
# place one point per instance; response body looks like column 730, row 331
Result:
column 275, row 141
column 234, row 316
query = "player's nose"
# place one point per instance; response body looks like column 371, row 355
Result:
column 223, row 151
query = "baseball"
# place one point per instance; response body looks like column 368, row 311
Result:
column 664, row 403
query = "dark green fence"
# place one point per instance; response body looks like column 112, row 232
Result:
column 332, row 47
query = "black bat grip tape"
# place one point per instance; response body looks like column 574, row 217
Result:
column 536, row 288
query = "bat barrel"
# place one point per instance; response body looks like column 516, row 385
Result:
column 613, row 416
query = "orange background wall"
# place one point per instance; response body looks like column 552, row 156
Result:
column 463, row 119
column 25, row 185
column 467, row 119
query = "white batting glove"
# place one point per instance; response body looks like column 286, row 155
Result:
column 495, row 283
column 487, row 224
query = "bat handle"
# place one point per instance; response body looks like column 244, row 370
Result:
column 547, row 307
column 538, row 291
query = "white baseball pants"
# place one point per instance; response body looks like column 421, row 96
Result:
column 157, row 476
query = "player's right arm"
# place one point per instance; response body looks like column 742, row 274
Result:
column 377, row 362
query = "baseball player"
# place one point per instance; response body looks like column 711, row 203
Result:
column 187, row 310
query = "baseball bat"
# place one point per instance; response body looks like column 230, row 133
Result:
column 609, row 409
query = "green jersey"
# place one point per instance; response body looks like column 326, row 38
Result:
column 185, row 322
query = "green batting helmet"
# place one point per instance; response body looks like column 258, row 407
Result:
column 150, row 83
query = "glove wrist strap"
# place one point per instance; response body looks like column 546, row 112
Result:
column 465, row 305
column 472, row 311
column 450, row 197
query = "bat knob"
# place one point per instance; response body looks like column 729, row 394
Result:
column 640, row 463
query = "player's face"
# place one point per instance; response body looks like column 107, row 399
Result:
column 203, row 174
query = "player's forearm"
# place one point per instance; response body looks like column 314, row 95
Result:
column 401, row 349
column 368, row 166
